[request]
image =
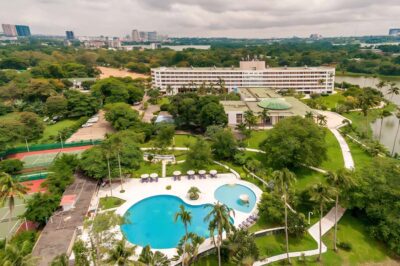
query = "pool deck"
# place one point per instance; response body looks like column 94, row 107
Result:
column 136, row 191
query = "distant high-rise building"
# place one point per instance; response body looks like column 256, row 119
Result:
column 70, row 35
column 315, row 36
column 144, row 37
column 23, row 30
column 135, row 36
column 394, row 32
column 9, row 30
column 152, row 36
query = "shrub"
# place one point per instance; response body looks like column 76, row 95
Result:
column 193, row 193
column 11, row 166
column 168, row 187
column 345, row 246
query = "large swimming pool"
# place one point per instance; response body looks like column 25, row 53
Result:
column 151, row 222
column 229, row 194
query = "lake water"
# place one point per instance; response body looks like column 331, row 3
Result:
column 389, row 124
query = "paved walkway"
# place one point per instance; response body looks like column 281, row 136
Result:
column 327, row 223
column 334, row 122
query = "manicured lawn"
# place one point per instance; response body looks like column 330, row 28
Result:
column 184, row 140
column 180, row 140
column 335, row 157
column 362, row 123
column 147, row 168
column 307, row 177
column 110, row 202
column 361, row 158
column 272, row 245
column 330, row 101
column 51, row 131
column 256, row 138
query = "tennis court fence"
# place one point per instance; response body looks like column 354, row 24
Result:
column 48, row 146
column 31, row 177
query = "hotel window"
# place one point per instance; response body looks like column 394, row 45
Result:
column 239, row 118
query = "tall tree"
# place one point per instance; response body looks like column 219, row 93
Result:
column 283, row 180
column 150, row 258
column 186, row 218
column 322, row 195
column 191, row 248
column 120, row 254
column 9, row 190
column 250, row 119
column 341, row 180
column 219, row 220
column 393, row 90
column 397, row 132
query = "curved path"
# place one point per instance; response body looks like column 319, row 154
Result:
column 335, row 121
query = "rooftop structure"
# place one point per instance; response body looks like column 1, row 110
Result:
column 259, row 99
column 394, row 32
column 250, row 74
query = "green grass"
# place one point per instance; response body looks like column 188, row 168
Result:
column 211, row 260
column 274, row 244
column 330, row 101
column 51, row 131
column 10, row 116
column 184, row 140
column 110, row 202
column 334, row 153
column 163, row 100
column 184, row 168
column 147, row 168
column 361, row 158
column 256, row 138
column 362, row 123
column 307, row 177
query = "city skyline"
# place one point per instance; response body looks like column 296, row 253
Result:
column 181, row 18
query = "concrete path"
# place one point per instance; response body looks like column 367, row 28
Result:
column 327, row 223
column 335, row 121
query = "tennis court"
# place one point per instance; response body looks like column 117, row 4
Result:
column 46, row 157
column 7, row 228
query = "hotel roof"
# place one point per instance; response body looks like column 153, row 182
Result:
column 253, row 97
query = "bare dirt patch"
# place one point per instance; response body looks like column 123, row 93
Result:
column 107, row 72
column 97, row 131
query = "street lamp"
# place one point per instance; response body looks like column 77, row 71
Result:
column 309, row 213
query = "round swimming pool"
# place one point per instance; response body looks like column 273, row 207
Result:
column 230, row 195
column 151, row 222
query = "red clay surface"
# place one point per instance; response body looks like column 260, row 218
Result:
column 34, row 186
column 23, row 154
column 28, row 226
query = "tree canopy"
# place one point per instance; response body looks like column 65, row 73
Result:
column 295, row 141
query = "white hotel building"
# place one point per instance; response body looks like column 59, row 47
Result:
column 250, row 74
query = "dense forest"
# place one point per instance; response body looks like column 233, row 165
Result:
column 56, row 61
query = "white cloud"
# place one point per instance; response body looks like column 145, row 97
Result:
column 235, row 18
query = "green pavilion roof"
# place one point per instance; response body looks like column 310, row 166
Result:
column 274, row 104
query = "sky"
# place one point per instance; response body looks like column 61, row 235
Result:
column 205, row 18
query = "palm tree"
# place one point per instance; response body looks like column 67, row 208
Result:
column 169, row 90
column 309, row 115
column 381, row 84
column 322, row 195
column 15, row 255
column 191, row 248
column 150, row 258
column 341, row 180
column 186, row 219
column 264, row 116
column 60, row 260
column 117, row 145
column 321, row 120
column 120, row 254
column 193, row 193
column 219, row 220
column 393, row 90
column 250, row 118
column 283, row 180
column 397, row 131
column 9, row 190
